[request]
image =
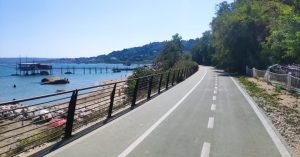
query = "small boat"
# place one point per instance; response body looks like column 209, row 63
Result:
column 68, row 73
column 127, row 64
column 44, row 73
column 60, row 91
column 116, row 70
column 15, row 75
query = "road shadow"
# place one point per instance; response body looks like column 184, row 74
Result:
column 221, row 72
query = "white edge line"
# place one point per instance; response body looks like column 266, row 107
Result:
column 156, row 124
column 106, row 125
column 205, row 149
column 280, row 146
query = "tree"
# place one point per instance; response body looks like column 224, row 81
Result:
column 223, row 8
column 203, row 50
column 255, row 33
column 171, row 53
column 283, row 44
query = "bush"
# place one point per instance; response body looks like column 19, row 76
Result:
column 186, row 64
column 139, row 72
column 44, row 136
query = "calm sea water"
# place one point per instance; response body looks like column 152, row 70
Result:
column 29, row 86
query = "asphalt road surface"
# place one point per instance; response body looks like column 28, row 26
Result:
column 207, row 115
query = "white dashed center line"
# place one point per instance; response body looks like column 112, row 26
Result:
column 213, row 107
column 214, row 98
column 210, row 124
column 205, row 149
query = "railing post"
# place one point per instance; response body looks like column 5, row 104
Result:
column 177, row 78
column 150, row 88
column 180, row 76
column 167, row 85
column 159, row 85
column 254, row 72
column 112, row 97
column 70, row 116
column 289, row 81
column 135, row 93
column 173, row 78
column 187, row 73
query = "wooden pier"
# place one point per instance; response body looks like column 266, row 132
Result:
column 47, row 69
column 33, row 69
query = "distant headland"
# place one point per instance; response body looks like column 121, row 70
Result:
column 135, row 55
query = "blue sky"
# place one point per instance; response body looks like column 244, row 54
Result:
column 84, row 28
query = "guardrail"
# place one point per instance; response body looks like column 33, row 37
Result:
column 28, row 123
column 286, row 81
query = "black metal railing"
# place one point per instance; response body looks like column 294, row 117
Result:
column 27, row 123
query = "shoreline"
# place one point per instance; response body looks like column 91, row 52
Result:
column 32, row 83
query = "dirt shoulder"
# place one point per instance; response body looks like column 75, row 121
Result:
column 281, row 107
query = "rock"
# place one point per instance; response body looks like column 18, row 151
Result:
column 54, row 80
column 20, row 117
column 36, row 119
column 60, row 91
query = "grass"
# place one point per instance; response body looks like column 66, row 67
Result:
column 46, row 135
column 258, row 92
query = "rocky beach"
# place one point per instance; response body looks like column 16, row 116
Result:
column 18, row 122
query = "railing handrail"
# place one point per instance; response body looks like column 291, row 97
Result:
column 76, row 109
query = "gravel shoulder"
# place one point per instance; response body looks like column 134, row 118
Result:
column 281, row 107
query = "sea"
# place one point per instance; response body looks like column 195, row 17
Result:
column 30, row 86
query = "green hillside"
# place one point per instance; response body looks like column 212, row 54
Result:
column 143, row 54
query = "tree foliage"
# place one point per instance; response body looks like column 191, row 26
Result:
column 202, row 52
column 252, row 32
column 170, row 54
